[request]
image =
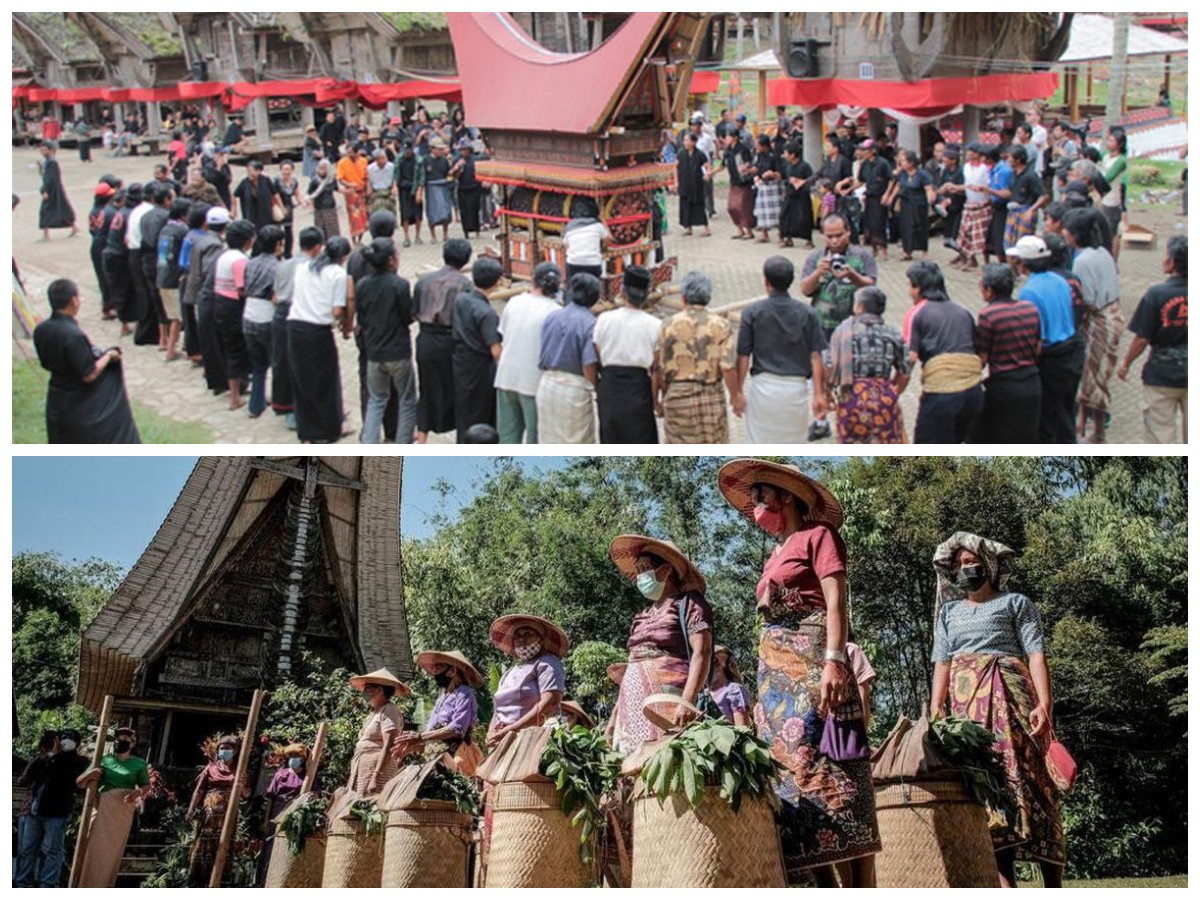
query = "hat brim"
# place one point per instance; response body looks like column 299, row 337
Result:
column 616, row 673
column 380, row 677
column 431, row 659
column 554, row 639
column 738, row 477
column 626, row 548
column 578, row 712
column 660, row 709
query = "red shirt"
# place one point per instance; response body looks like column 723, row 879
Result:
column 178, row 151
column 51, row 129
column 791, row 578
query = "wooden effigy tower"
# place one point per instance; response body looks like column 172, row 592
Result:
column 568, row 126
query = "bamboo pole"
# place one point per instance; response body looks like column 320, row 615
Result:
column 235, row 791
column 93, row 791
column 314, row 759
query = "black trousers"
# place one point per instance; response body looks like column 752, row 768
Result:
column 947, row 418
column 1060, row 367
column 1012, row 406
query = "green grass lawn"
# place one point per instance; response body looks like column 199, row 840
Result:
column 1171, row 881
column 29, row 413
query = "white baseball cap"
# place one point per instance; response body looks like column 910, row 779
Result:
column 1029, row 247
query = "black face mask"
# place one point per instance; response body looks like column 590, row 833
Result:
column 971, row 577
column 123, row 746
column 442, row 680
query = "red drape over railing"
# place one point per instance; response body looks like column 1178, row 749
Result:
column 911, row 97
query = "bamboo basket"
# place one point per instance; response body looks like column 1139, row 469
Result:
column 533, row 843
column 710, row 846
column 353, row 859
column 302, row 870
column 935, row 835
column 427, row 846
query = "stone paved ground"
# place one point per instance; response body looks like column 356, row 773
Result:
column 177, row 390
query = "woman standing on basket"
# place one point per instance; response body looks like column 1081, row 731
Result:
column 827, row 811
column 372, row 765
column 990, row 662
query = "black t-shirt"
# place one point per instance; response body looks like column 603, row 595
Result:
column 875, row 174
column 1026, row 188
column 836, row 170
column 114, row 244
column 942, row 326
column 234, row 134
column 476, row 324
column 912, row 187
column 957, row 201
column 383, row 305
column 53, row 782
column 735, row 157
column 780, row 334
column 1161, row 318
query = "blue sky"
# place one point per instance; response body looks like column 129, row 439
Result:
column 110, row 507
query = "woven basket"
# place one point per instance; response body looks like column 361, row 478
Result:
column 710, row 846
column 935, row 835
column 533, row 842
column 427, row 846
column 353, row 859
column 303, row 870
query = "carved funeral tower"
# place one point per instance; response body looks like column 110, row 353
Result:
column 265, row 569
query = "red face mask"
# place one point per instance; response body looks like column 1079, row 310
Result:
column 770, row 520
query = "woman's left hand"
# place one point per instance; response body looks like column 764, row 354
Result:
column 496, row 736
column 1039, row 720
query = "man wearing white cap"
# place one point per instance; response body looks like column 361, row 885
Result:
column 1060, row 365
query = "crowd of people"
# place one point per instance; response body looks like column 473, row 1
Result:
column 808, row 671
column 210, row 267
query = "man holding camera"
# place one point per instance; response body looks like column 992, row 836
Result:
column 830, row 277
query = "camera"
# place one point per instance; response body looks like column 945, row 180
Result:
column 837, row 263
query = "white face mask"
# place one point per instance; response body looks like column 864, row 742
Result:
column 650, row 586
column 67, row 746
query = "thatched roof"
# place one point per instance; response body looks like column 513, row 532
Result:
column 218, row 506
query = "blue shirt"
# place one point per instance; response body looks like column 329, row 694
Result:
column 1000, row 179
column 458, row 709
column 1006, row 625
column 1051, row 295
column 567, row 340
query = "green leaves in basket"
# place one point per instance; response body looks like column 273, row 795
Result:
column 969, row 747
column 443, row 784
column 305, row 819
column 711, row 753
column 583, row 768
column 371, row 816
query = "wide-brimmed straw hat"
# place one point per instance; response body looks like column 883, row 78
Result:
column 554, row 639
column 616, row 673
column 381, row 677
column 429, row 660
column 576, row 710
column 660, row 709
column 736, row 479
column 626, row 548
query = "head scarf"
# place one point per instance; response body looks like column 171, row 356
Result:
column 997, row 561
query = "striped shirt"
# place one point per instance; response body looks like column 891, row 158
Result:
column 1007, row 625
column 1008, row 332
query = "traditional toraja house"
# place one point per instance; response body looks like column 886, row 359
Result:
column 263, row 567
column 566, row 126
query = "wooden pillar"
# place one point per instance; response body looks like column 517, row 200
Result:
column 970, row 124
column 1091, row 82
column 814, row 128
column 909, row 136
column 153, row 118
column 762, row 98
column 875, row 122
column 262, row 118
column 91, row 798
column 1073, row 93
column 1167, row 73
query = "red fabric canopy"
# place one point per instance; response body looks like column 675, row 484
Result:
column 706, row 82
column 911, row 96
column 511, row 82
column 200, row 90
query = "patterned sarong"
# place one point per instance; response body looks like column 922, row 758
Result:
column 565, row 409
column 998, row 693
column 327, row 221
column 382, row 201
column 643, row 677
column 768, row 204
column 740, row 205
column 356, row 212
column 208, row 838
column 694, row 413
column 972, row 234
column 1021, row 222
column 827, row 809
column 1102, row 333
column 869, row 413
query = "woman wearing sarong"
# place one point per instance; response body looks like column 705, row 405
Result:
column 322, row 195
column 1025, row 197
column 768, row 189
column 977, row 213
column 1102, row 322
column 627, row 340
column 796, row 219
column 990, row 663
column 693, row 173
column 433, row 189
column 740, row 205
column 352, row 181
column 56, row 211
column 373, row 765
column 122, row 778
column 827, row 807
column 210, row 800
column 869, row 370
column 913, row 190
column 455, row 712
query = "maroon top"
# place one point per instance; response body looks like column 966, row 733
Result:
column 217, row 776
column 657, row 626
column 791, row 579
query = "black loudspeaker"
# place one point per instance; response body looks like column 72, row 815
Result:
column 200, row 70
column 802, row 58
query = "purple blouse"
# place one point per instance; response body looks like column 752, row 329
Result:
column 731, row 697
column 523, row 685
column 284, row 788
column 457, row 709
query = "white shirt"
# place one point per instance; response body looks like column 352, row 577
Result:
column 1038, row 142
column 975, row 177
column 583, row 245
column 133, row 234
column 521, row 329
column 316, row 296
column 627, row 337
column 707, row 145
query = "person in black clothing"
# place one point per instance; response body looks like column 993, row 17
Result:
column 433, row 296
column 115, row 258
column 56, row 211
column 99, row 221
column 470, row 189
column 796, row 219
column 85, row 401
column 331, row 138
column 154, row 319
column 384, row 313
column 874, row 175
column 693, row 174
column 476, row 331
column 235, row 133
column 739, row 163
column 381, row 226
column 257, row 196
column 218, row 173
column 406, row 187
column 913, row 190
column 950, row 200
column 51, row 775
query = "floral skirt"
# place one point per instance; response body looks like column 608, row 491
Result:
column 869, row 413
column 827, row 809
column 643, row 677
column 997, row 692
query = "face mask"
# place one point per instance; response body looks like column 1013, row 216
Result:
column 769, row 520
column 123, row 746
column 971, row 577
column 650, row 586
column 67, row 746
column 295, row 763
column 225, row 754
column 442, row 680
column 525, row 654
